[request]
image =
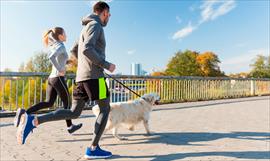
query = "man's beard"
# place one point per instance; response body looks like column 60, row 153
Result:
column 106, row 22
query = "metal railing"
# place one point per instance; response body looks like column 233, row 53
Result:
column 26, row 89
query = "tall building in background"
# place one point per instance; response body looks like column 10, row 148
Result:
column 136, row 69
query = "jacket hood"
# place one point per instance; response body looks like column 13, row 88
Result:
column 91, row 17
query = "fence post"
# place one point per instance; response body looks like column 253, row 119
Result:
column 252, row 87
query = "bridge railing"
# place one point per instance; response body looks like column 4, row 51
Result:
column 25, row 89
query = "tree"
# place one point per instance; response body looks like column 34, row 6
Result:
column 184, row 64
column 38, row 63
column 7, row 70
column 21, row 68
column 260, row 68
column 41, row 62
column 268, row 65
column 29, row 67
column 158, row 73
column 208, row 62
column 239, row 75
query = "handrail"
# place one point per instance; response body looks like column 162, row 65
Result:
column 31, row 74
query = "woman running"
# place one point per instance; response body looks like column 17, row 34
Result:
column 53, row 39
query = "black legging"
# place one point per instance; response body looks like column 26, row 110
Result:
column 75, row 112
column 56, row 86
column 81, row 94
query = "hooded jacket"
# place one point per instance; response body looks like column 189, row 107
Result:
column 90, row 50
column 58, row 57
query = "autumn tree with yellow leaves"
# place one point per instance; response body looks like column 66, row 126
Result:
column 192, row 63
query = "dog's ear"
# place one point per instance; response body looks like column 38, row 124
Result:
column 147, row 98
column 151, row 99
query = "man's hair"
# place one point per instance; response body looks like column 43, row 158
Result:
column 100, row 7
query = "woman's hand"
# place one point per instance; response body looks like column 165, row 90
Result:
column 62, row 73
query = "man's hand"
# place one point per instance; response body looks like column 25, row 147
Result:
column 69, row 61
column 112, row 68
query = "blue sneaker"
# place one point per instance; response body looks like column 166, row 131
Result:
column 98, row 153
column 25, row 127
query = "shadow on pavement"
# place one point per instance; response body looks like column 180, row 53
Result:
column 185, row 138
column 191, row 139
column 220, row 102
column 239, row 155
column 6, row 124
column 179, row 138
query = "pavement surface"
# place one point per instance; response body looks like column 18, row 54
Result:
column 233, row 129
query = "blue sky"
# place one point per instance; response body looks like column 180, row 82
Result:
column 147, row 32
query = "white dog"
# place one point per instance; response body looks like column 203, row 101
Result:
column 128, row 114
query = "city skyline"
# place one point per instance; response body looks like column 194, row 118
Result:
column 136, row 69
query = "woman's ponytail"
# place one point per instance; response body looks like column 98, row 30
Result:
column 46, row 37
column 55, row 34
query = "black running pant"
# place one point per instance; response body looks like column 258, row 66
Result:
column 56, row 86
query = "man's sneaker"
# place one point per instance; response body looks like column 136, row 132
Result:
column 25, row 127
column 17, row 118
column 97, row 153
column 74, row 128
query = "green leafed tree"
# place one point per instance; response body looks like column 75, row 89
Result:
column 268, row 65
column 260, row 68
column 38, row 63
column 184, row 64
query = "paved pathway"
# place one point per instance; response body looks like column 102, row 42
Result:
column 236, row 129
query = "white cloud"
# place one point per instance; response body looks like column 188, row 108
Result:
column 131, row 52
column 207, row 10
column 184, row 32
column 212, row 9
column 223, row 9
column 241, row 63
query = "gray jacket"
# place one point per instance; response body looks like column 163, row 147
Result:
column 58, row 57
column 90, row 50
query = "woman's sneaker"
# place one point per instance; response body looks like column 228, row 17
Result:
column 18, row 116
column 98, row 153
column 74, row 128
column 25, row 127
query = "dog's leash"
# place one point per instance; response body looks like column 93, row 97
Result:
column 124, row 85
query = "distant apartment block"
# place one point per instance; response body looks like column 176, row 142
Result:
column 136, row 69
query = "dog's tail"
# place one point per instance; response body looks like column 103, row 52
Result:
column 96, row 110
